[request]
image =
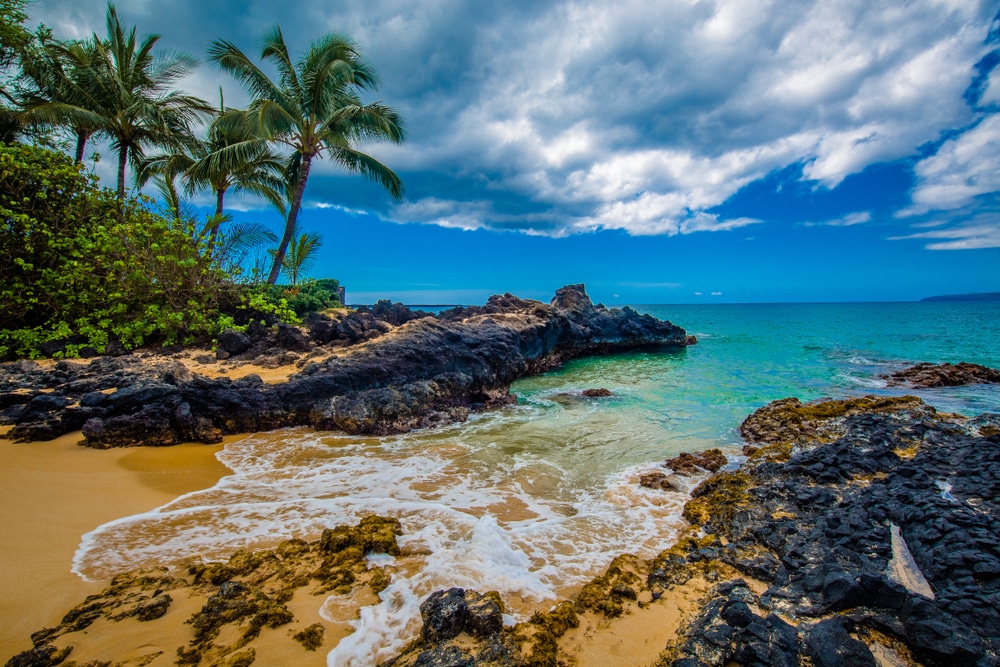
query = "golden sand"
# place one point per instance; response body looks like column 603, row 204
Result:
column 51, row 493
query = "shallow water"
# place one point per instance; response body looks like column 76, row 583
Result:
column 535, row 499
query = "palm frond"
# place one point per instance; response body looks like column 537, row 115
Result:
column 361, row 163
column 230, row 59
column 273, row 48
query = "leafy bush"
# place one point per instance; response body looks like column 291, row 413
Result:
column 309, row 296
column 76, row 265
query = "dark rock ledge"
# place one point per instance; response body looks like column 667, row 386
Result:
column 925, row 375
column 425, row 371
column 800, row 546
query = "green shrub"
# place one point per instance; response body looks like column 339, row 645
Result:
column 309, row 296
column 77, row 266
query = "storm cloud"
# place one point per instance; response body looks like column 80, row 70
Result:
column 558, row 117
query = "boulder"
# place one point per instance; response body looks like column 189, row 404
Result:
column 233, row 342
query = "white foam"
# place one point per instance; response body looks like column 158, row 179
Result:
column 867, row 382
column 512, row 501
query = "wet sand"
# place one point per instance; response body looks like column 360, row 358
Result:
column 51, row 493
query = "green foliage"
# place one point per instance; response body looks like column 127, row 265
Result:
column 77, row 264
column 13, row 36
column 309, row 296
column 301, row 255
column 314, row 108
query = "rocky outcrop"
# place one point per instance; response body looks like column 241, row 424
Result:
column 861, row 531
column 423, row 372
column 816, row 525
column 927, row 375
column 236, row 600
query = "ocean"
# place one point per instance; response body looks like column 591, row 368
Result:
column 535, row 499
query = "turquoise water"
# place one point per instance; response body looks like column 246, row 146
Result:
column 750, row 354
column 534, row 499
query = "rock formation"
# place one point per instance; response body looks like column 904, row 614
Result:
column 858, row 528
column 943, row 375
column 424, row 371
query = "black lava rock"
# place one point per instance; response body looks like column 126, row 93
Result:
column 233, row 342
column 444, row 614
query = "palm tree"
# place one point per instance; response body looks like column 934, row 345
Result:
column 301, row 255
column 314, row 108
column 141, row 107
column 58, row 73
column 135, row 106
column 204, row 165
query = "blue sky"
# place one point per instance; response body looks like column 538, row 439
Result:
column 667, row 152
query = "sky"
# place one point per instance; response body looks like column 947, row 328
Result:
column 668, row 151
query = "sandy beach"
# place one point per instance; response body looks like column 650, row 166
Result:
column 54, row 492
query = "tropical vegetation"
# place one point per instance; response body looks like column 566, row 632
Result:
column 314, row 107
column 82, row 266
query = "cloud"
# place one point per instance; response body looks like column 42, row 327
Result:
column 556, row 117
column 857, row 218
column 962, row 169
column 971, row 236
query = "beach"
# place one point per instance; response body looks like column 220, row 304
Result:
column 532, row 500
column 55, row 492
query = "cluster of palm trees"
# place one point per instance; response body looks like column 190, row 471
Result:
column 115, row 88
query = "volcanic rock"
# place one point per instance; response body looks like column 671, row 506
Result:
column 686, row 464
column 430, row 371
column 926, row 375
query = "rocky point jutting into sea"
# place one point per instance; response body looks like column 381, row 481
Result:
column 400, row 370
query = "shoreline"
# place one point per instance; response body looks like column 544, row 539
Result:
column 717, row 574
column 53, row 493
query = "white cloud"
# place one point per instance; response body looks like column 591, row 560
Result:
column 964, row 237
column 963, row 168
column 857, row 218
column 554, row 117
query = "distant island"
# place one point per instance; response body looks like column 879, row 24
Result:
column 982, row 296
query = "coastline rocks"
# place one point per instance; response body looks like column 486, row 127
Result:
column 446, row 614
column 662, row 481
column 429, row 371
column 683, row 465
column 687, row 465
column 793, row 558
column 818, row 528
column 925, row 375
column 228, row 603
column 233, row 342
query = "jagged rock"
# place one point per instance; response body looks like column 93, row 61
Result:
column 233, row 342
column 444, row 614
column 115, row 348
column 431, row 371
column 485, row 616
column 816, row 524
column 831, row 645
column 659, row 480
column 449, row 656
column 926, row 375
column 40, row 656
column 597, row 393
column 153, row 608
column 686, row 464
column 291, row 338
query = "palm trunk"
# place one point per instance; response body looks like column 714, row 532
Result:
column 81, row 144
column 293, row 214
column 220, row 195
column 122, row 161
